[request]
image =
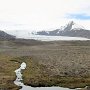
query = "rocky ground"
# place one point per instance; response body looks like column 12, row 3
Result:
column 56, row 63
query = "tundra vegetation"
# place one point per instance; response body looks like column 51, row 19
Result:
column 54, row 63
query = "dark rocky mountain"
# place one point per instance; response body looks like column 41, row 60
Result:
column 5, row 36
column 71, row 29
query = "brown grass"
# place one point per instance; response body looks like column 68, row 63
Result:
column 58, row 63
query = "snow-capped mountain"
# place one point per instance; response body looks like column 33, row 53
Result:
column 71, row 26
column 71, row 29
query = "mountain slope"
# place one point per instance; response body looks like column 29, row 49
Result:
column 5, row 36
column 71, row 29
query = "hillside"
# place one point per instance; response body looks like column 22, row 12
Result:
column 5, row 36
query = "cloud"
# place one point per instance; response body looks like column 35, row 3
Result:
column 44, row 14
column 78, row 16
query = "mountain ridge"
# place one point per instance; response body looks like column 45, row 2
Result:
column 71, row 29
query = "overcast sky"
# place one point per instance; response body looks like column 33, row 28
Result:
column 43, row 14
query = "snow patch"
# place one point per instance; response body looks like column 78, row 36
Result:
column 77, row 27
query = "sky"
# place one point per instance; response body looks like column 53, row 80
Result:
column 43, row 14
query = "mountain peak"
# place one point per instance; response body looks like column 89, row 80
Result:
column 71, row 23
column 72, row 26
